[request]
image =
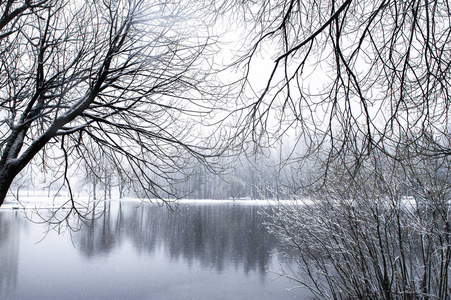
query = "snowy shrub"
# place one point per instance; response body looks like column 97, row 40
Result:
column 381, row 232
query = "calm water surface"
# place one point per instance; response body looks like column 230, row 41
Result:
column 202, row 251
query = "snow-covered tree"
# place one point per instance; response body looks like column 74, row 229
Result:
column 365, row 85
column 125, row 78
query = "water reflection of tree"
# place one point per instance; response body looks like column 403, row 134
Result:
column 212, row 236
column 9, row 249
column 98, row 235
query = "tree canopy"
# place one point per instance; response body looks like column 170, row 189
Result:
column 117, row 81
column 355, row 75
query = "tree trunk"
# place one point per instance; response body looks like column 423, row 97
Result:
column 6, row 178
column 94, row 184
column 121, row 188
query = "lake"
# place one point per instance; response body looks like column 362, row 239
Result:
column 139, row 251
